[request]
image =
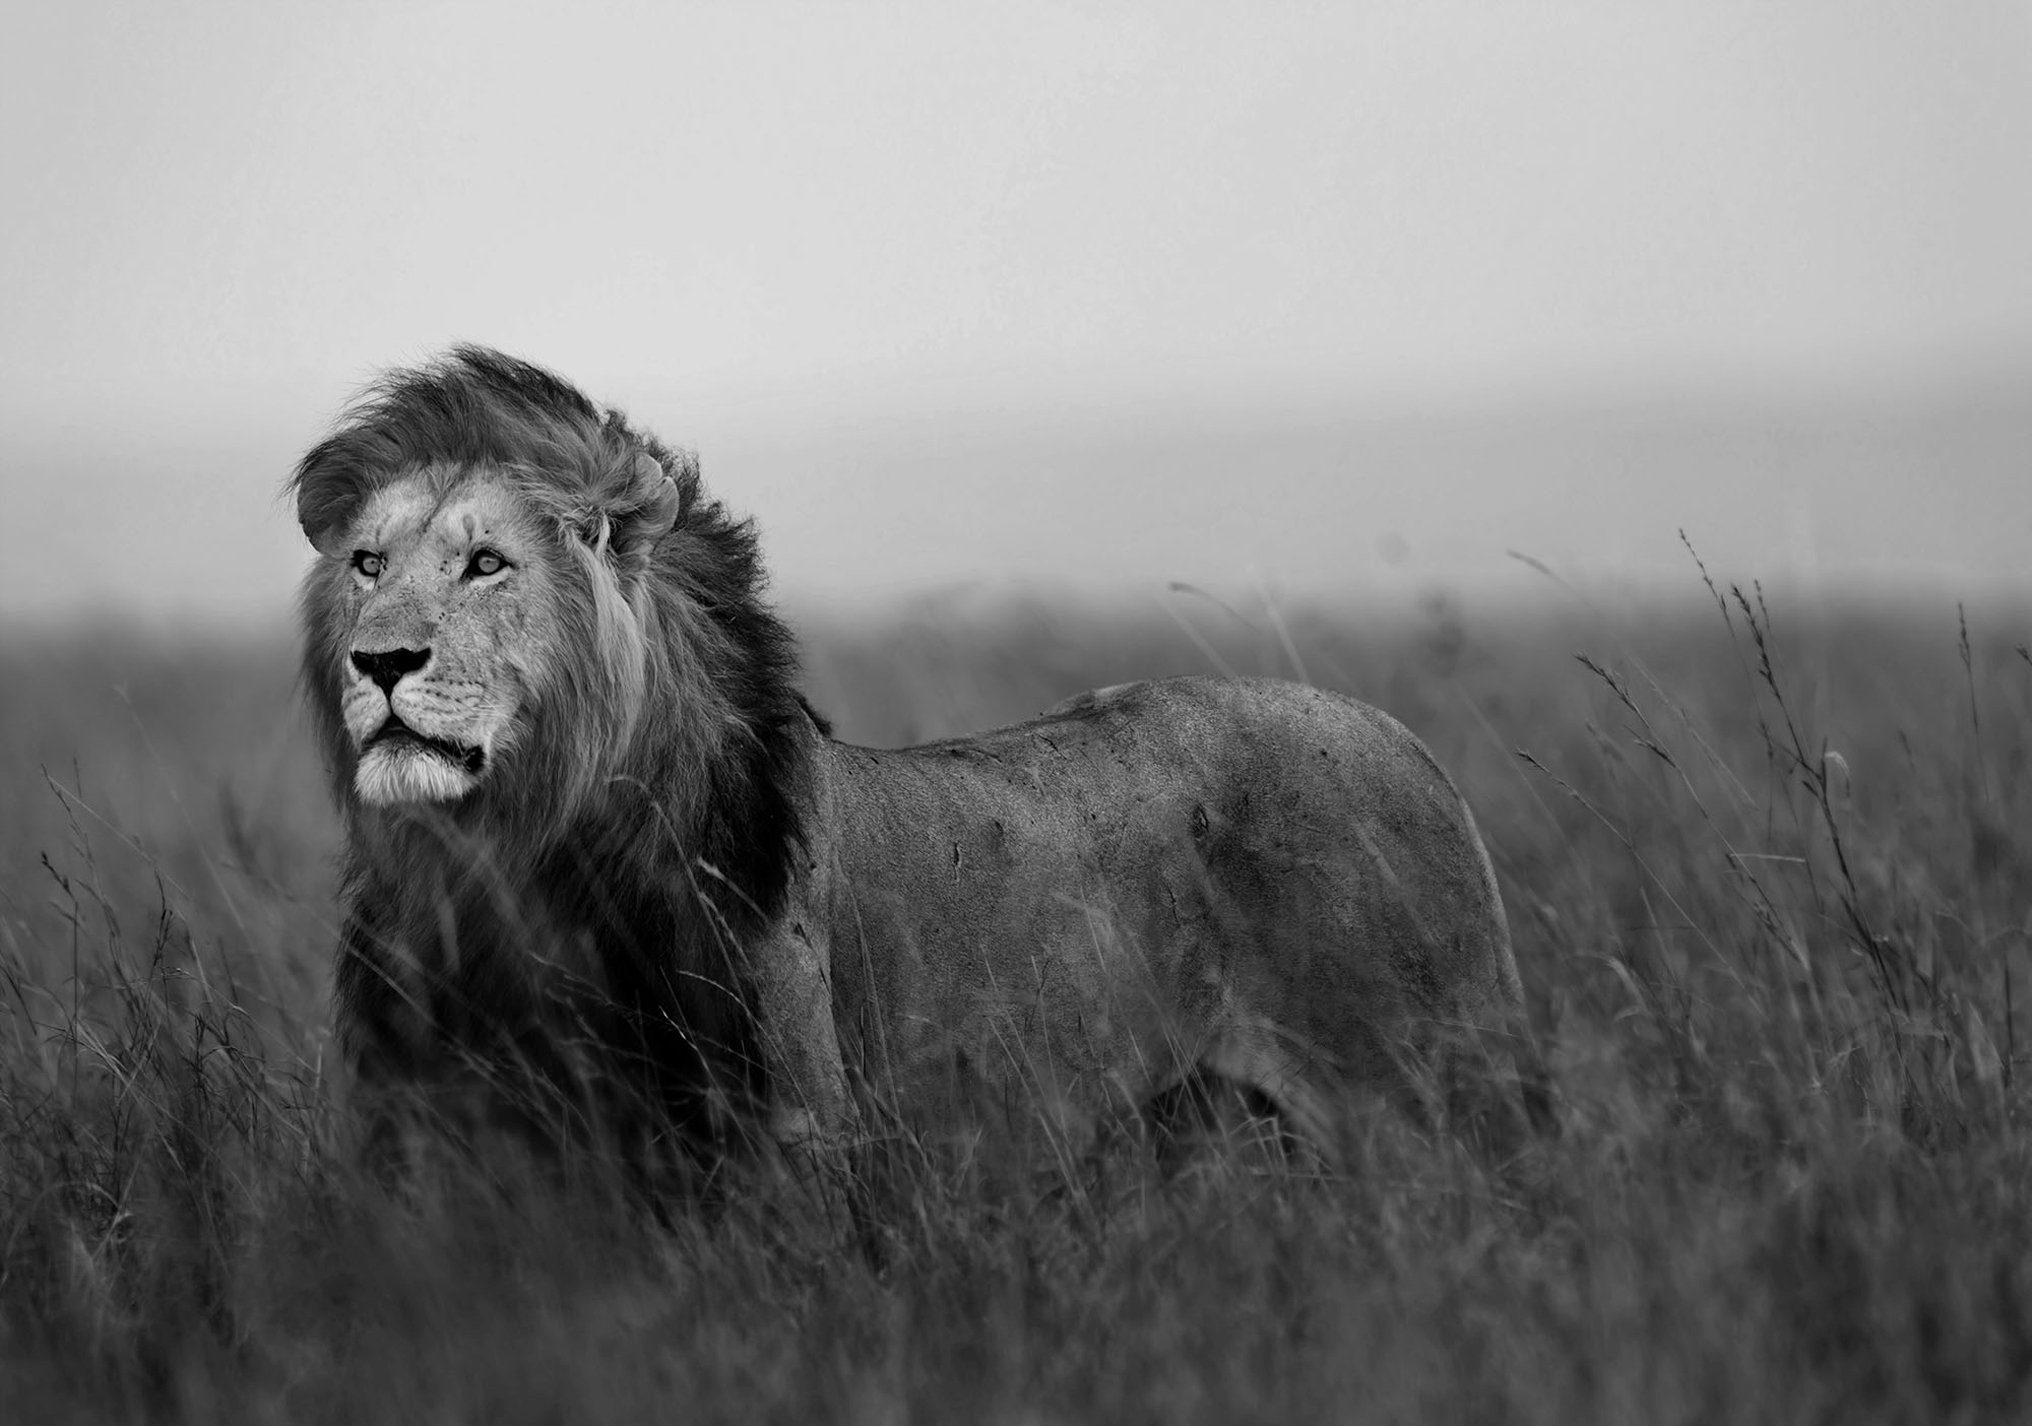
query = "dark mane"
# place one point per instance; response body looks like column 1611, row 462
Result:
column 478, row 407
column 670, row 857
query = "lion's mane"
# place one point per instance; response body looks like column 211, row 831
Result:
column 644, row 826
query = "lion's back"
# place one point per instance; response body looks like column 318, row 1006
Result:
column 1273, row 746
column 1261, row 772
column 1256, row 720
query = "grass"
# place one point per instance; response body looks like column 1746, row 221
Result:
column 1770, row 878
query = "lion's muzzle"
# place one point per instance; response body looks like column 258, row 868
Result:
column 421, row 737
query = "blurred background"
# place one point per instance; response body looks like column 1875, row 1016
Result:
column 1332, row 303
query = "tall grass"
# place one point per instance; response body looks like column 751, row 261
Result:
column 1769, row 875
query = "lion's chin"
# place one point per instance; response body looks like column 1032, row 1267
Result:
column 396, row 771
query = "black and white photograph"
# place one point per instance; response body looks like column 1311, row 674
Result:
column 871, row 711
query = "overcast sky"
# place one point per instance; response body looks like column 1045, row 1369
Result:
column 1113, row 294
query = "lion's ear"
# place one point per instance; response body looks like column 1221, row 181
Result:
column 326, row 499
column 643, row 514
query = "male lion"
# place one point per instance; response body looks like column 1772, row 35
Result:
column 607, row 871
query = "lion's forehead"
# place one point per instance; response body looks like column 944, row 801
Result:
column 395, row 514
column 433, row 511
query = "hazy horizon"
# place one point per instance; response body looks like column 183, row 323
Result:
column 1098, row 298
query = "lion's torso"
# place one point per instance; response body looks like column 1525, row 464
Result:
column 1256, row 878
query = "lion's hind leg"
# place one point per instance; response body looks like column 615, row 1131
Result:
column 1248, row 1095
column 1207, row 1117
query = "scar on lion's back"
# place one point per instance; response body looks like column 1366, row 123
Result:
column 1090, row 699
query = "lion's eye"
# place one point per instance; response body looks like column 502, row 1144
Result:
column 483, row 563
column 368, row 563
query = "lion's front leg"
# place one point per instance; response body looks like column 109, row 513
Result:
column 810, row 1112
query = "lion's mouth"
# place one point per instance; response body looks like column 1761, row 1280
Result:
column 396, row 734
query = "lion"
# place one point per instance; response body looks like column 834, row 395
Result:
column 608, row 873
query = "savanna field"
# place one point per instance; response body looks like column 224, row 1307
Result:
column 1768, row 871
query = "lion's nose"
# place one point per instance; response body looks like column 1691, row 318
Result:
column 387, row 667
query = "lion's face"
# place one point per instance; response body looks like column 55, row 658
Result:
column 444, row 608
